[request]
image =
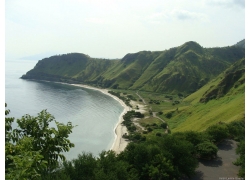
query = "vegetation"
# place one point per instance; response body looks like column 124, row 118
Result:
column 206, row 150
column 234, row 77
column 241, row 43
column 183, row 69
column 220, row 100
column 33, row 148
column 128, row 120
column 241, row 160
column 126, row 98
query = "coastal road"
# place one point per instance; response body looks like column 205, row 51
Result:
column 154, row 115
column 141, row 97
column 137, row 124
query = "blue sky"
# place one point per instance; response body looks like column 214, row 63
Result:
column 113, row 28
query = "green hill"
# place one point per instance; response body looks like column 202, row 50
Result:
column 183, row 69
column 220, row 100
column 241, row 43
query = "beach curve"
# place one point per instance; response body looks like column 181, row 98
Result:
column 119, row 143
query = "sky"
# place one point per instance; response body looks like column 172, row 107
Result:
column 112, row 28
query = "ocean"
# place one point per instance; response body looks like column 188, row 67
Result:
column 94, row 113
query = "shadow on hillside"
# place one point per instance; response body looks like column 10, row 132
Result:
column 199, row 175
column 226, row 145
column 212, row 163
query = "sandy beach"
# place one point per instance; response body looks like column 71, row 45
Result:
column 119, row 142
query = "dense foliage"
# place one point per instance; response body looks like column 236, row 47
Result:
column 125, row 99
column 34, row 149
column 166, row 159
column 241, row 160
column 128, row 119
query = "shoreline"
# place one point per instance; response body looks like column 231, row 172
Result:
column 119, row 143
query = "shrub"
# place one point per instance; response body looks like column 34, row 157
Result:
column 169, row 115
column 158, row 134
column 218, row 132
column 164, row 125
column 149, row 129
column 206, row 150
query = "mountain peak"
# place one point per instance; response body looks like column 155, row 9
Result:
column 190, row 45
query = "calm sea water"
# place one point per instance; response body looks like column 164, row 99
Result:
column 94, row 113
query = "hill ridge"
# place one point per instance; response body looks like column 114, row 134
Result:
column 184, row 69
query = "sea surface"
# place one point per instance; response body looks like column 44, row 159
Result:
column 94, row 113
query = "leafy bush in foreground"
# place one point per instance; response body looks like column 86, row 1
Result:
column 34, row 148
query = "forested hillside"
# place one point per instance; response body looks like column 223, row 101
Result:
column 185, row 68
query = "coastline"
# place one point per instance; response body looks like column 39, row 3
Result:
column 119, row 143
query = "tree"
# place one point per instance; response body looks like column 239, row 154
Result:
column 81, row 167
column 207, row 150
column 160, row 168
column 21, row 162
column 164, row 125
column 240, row 161
column 237, row 129
column 34, row 148
column 109, row 167
column 218, row 132
column 192, row 136
column 146, row 161
column 169, row 115
column 182, row 153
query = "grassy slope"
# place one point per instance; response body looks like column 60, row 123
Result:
column 198, row 116
column 191, row 114
column 66, row 65
column 159, row 62
column 201, row 116
column 188, row 67
column 134, row 66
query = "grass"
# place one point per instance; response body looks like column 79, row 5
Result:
column 201, row 116
column 149, row 120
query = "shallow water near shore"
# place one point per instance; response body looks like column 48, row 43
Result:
column 94, row 113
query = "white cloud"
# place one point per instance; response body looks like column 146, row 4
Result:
column 227, row 3
column 161, row 17
column 186, row 15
